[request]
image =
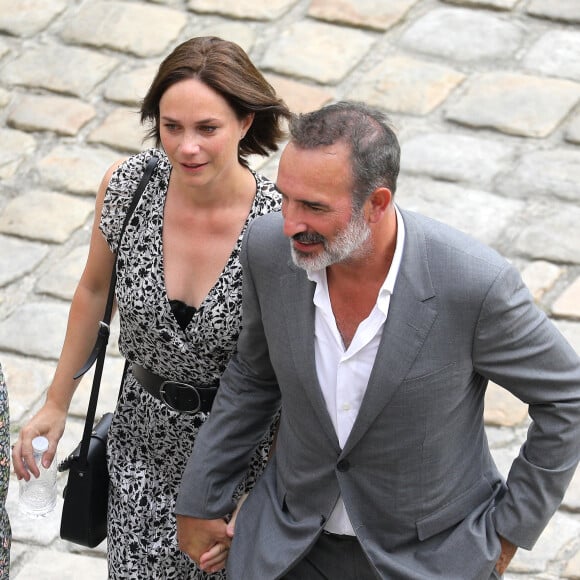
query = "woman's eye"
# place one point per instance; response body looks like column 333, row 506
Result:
column 208, row 129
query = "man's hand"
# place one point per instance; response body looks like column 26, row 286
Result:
column 205, row 541
column 508, row 551
column 215, row 558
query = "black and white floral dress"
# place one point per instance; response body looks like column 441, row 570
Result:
column 149, row 444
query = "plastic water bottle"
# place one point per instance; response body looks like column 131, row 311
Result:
column 38, row 495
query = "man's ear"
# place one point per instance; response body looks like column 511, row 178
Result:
column 377, row 204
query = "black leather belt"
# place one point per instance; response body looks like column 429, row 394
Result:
column 179, row 396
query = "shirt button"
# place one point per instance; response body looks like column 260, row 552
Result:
column 343, row 465
column 346, row 407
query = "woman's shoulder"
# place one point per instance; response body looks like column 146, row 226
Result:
column 131, row 169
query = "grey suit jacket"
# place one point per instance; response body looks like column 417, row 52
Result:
column 416, row 475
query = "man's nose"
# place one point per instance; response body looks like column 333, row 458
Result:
column 293, row 224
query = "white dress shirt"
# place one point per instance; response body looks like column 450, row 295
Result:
column 343, row 374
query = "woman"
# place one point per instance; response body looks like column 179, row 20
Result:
column 178, row 290
column 5, row 532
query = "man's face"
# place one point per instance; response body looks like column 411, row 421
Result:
column 316, row 187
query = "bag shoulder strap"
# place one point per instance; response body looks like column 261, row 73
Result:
column 98, row 353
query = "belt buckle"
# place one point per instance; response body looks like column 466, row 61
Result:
column 165, row 395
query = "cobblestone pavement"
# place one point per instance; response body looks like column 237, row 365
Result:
column 486, row 98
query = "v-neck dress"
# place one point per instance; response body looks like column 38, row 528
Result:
column 150, row 444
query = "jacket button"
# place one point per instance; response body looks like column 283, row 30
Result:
column 343, row 465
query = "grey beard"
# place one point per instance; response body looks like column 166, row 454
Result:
column 350, row 243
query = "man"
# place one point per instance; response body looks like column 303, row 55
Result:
column 376, row 330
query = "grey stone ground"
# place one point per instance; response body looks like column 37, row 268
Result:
column 486, row 98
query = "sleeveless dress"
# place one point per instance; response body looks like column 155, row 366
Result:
column 149, row 444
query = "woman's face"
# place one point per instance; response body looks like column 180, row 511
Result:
column 200, row 133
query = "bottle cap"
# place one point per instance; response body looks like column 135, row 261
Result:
column 40, row 444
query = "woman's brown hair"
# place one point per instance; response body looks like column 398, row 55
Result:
column 224, row 67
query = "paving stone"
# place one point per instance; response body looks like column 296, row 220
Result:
column 56, row 68
column 18, row 258
column 572, row 570
column 251, row 9
column 4, row 95
column 464, row 35
column 52, row 565
column 299, row 96
column 572, row 497
column 556, row 54
column 498, row 4
column 481, row 214
column 14, row 145
column 135, row 28
column 502, row 409
column 514, row 103
column 558, row 178
column 375, row 14
column 568, row 303
column 318, row 51
column 503, row 458
column 240, row 32
column 75, row 169
column 26, row 380
column 122, row 130
column 3, row 48
column 39, row 215
column 39, row 531
column 455, row 157
column 540, row 277
column 552, row 234
column 573, row 130
column 35, row 329
column 17, row 551
column 61, row 280
column 571, row 331
column 28, row 17
column 130, row 87
column 402, row 84
column 62, row 115
column 565, row 10
column 560, row 531
column 109, row 390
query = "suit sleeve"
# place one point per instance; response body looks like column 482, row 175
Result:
column 519, row 348
column 247, row 401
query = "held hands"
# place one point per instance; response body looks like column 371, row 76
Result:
column 508, row 551
column 50, row 422
column 207, row 542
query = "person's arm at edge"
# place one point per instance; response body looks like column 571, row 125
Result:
column 87, row 307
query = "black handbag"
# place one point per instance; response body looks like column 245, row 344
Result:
column 84, row 512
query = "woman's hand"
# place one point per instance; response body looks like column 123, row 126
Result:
column 49, row 421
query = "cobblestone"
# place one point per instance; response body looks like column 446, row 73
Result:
column 559, row 175
column 55, row 68
column 464, row 35
column 61, row 115
column 403, row 84
column 515, row 104
column 485, row 95
column 374, row 14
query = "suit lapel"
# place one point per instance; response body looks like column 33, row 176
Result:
column 411, row 315
column 297, row 293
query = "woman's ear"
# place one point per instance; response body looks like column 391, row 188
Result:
column 246, row 124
